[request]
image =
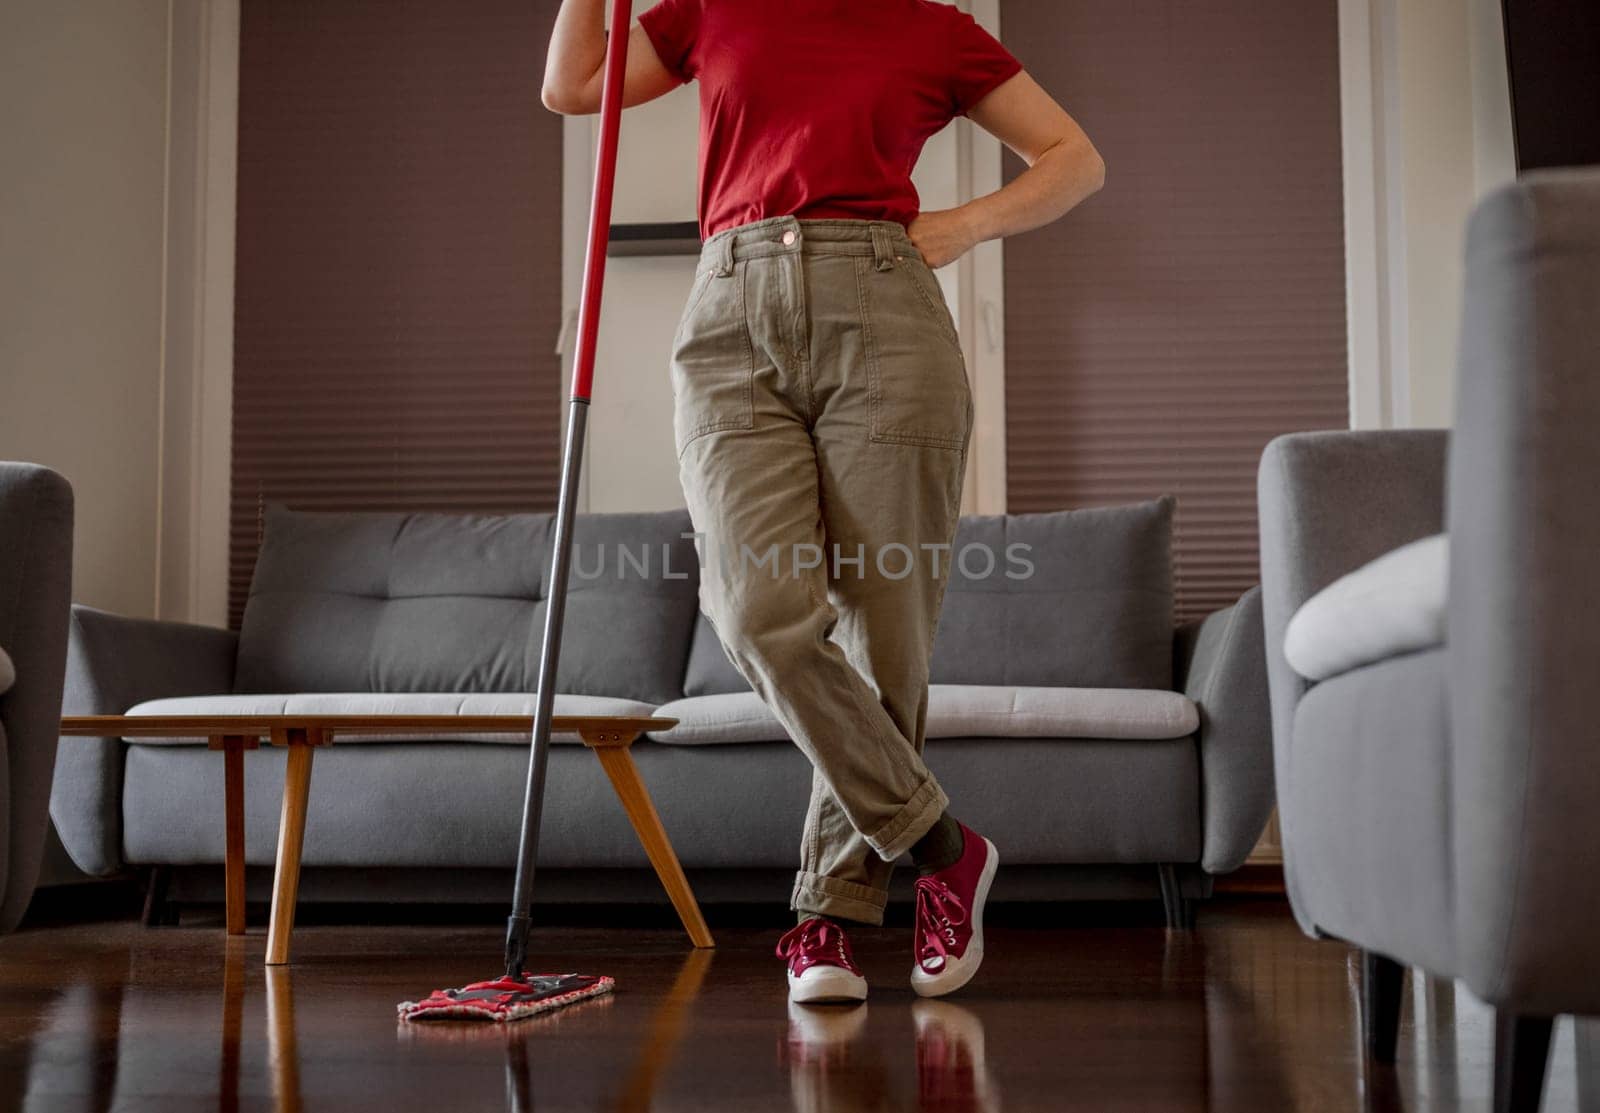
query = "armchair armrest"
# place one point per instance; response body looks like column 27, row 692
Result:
column 1330, row 502
column 36, row 515
column 1524, row 607
column 114, row 662
column 1222, row 666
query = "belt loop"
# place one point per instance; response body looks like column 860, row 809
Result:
column 882, row 247
column 725, row 256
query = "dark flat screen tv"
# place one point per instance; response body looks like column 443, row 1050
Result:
column 1553, row 63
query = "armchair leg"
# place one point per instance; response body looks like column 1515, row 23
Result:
column 1521, row 1050
column 1383, row 983
column 1179, row 909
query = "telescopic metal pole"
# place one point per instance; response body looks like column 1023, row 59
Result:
column 594, row 267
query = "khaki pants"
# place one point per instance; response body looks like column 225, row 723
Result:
column 822, row 415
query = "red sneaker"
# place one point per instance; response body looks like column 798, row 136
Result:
column 821, row 968
column 949, row 929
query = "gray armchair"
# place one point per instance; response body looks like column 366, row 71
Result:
column 1439, row 807
column 35, row 594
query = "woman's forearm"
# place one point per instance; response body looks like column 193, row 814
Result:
column 1059, row 179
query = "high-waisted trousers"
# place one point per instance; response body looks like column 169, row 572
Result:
column 822, row 416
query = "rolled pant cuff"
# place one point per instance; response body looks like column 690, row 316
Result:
column 828, row 896
column 913, row 821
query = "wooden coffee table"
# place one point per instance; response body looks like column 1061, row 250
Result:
column 609, row 737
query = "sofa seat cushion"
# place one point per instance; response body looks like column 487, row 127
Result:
column 389, row 703
column 964, row 711
column 1390, row 606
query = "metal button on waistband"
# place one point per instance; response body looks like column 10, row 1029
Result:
column 788, row 237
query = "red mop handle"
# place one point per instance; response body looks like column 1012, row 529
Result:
column 605, row 178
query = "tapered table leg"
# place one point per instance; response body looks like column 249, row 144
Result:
column 291, row 839
column 612, row 748
column 233, row 747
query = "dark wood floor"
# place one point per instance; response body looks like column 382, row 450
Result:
column 1082, row 1013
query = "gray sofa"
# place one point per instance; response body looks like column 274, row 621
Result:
column 1438, row 800
column 35, row 592
column 1068, row 719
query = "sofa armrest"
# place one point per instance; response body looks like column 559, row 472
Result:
column 1330, row 502
column 114, row 662
column 1524, row 608
column 1221, row 665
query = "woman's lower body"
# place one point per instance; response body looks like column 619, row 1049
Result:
column 822, row 416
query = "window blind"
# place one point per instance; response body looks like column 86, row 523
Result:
column 398, row 285
column 1159, row 336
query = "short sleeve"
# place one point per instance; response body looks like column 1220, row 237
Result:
column 673, row 27
column 980, row 63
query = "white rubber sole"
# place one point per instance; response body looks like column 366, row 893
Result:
column 958, row 972
column 823, row 985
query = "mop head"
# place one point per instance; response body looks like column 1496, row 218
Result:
column 506, row 999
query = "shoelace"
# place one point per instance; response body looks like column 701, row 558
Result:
column 811, row 936
column 938, row 911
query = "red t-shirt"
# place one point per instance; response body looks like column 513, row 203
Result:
column 820, row 108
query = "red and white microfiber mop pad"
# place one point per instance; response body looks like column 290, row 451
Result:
column 507, row 998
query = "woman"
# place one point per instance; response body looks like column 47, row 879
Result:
column 821, row 406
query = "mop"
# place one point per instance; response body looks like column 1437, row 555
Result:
column 517, row 993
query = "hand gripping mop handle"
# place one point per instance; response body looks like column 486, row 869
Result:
column 594, row 271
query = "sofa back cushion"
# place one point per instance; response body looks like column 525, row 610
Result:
column 386, row 602
column 710, row 672
column 1072, row 599
column 1075, row 599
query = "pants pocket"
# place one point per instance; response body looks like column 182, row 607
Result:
column 713, row 361
column 916, row 374
column 922, row 280
column 703, row 279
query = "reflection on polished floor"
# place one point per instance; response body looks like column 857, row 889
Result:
column 1244, row 1014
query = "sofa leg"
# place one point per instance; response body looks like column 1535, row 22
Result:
column 155, row 897
column 1383, row 984
column 1179, row 909
column 1521, row 1050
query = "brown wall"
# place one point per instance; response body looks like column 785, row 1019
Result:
column 398, row 292
column 1159, row 336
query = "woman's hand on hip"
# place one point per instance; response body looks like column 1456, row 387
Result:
column 942, row 236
